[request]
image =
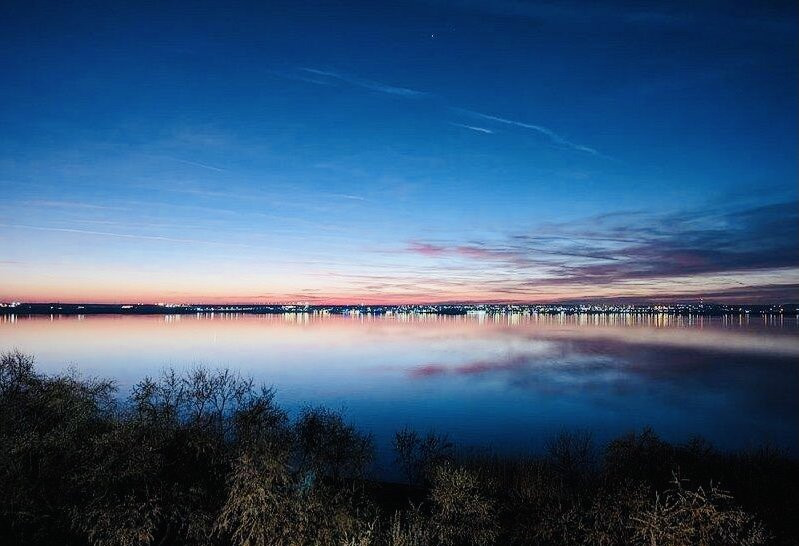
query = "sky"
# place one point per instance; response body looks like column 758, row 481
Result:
column 392, row 152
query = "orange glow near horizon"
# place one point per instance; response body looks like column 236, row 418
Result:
column 721, row 288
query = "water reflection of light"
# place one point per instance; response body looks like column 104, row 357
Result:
column 484, row 372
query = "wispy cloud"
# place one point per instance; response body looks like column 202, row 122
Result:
column 549, row 133
column 123, row 235
column 329, row 76
column 348, row 196
column 366, row 84
column 744, row 250
column 473, row 128
column 198, row 164
column 426, row 249
column 302, row 77
column 69, row 205
column 517, row 252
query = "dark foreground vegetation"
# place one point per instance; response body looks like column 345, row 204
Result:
column 208, row 458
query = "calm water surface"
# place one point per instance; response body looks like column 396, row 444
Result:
column 506, row 383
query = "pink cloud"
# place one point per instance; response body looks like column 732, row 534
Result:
column 426, row 249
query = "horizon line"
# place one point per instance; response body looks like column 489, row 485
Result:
column 621, row 301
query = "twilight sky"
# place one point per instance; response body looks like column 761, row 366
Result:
column 398, row 152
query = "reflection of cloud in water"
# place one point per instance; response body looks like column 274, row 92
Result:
column 688, row 338
column 487, row 379
column 609, row 368
column 762, row 335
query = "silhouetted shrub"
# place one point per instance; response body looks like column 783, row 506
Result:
column 409, row 528
column 640, row 456
column 463, row 512
column 605, row 518
column 699, row 516
column 261, row 503
column 45, row 425
column 207, row 458
column 417, row 456
column 330, row 447
column 573, row 456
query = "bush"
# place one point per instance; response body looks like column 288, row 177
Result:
column 261, row 502
column 330, row 447
column 641, row 457
column 417, row 456
column 701, row 517
column 463, row 513
column 207, row 458
column 46, row 426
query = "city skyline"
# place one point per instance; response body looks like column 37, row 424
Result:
column 419, row 152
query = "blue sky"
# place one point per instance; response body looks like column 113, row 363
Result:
column 414, row 151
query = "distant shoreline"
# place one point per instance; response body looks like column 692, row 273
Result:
column 434, row 309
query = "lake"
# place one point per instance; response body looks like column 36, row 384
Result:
column 506, row 383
